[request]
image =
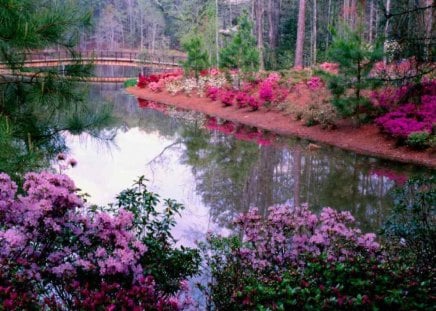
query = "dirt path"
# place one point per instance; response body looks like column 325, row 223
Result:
column 365, row 140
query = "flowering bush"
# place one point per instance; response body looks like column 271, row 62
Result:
column 409, row 118
column 315, row 83
column 254, row 103
column 295, row 259
column 227, row 97
column 266, row 91
column 270, row 91
column 144, row 81
column 56, row 253
column 332, row 68
column 388, row 97
column 242, row 99
column 212, row 92
column 405, row 121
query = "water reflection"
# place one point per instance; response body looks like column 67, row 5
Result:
column 219, row 169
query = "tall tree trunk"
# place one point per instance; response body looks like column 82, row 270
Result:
column 371, row 21
column 329, row 17
column 315, row 9
column 428, row 29
column 300, row 35
column 216, row 33
column 388, row 10
column 353, row 14
column 273, row 21
column 345, row 11
column 259, row 12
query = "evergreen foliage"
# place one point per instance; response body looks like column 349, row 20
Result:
column 38, row 107
column 241, row 52
column 356, row 58
column 197, row 58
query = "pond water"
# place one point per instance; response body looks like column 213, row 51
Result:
column 218, row 170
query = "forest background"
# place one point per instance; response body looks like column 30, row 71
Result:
column 157, row 26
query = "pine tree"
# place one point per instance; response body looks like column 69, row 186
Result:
column 241, row 52
column 197, row 58
column 35, row 109
column 356, row 58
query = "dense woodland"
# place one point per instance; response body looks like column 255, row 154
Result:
column 405, row 26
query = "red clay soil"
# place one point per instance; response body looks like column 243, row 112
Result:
column 366, row 140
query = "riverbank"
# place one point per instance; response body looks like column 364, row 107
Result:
column 366, row 140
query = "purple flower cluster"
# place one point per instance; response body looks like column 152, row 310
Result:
column 48, row 237
column 289, row 235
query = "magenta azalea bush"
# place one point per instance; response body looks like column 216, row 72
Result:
column 56, row 253
column 401, row 120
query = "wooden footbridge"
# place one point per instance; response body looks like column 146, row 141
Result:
column 44, row 59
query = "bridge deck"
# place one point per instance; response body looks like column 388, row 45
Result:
column 40, row 59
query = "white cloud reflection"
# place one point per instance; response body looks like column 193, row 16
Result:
column 104, row 171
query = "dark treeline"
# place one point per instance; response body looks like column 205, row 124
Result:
column 405, row 26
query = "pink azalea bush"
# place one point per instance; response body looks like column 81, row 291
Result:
column 54, row 252
column 332, row 68
column 145, row 80
column 315, row 83
column 270, row 91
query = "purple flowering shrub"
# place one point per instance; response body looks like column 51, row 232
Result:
column 293, row 259
column 288, row 235
column 57, row 253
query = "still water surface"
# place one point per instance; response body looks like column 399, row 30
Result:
column 218, row 170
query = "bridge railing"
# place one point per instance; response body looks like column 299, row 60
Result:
column 106, row 55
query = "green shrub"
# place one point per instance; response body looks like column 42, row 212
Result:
column 130, row 82
column 418, row 140
column 197, row 59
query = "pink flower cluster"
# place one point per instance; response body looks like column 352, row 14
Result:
column 210, row 71
column 289, row 235
column 396, row 69
column 269, row 91
column 156, row 82
column 330, row 67
column 48, row 237
column 388, row 97
column 315, row 83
